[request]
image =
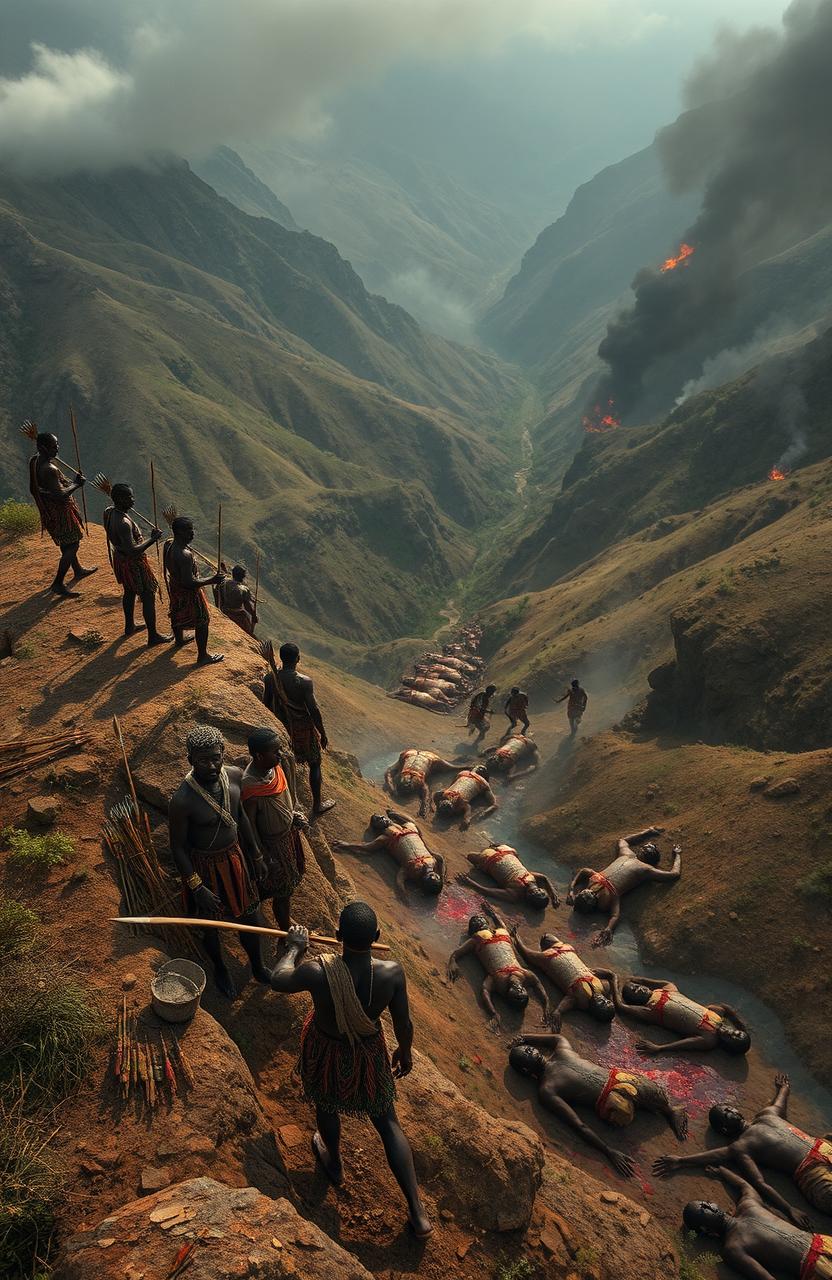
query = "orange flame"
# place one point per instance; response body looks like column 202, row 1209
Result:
column 599, row 421
column 777, row 473
column 685, row 252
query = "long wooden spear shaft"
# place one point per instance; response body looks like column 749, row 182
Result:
column 74, row 426
column 188, row 923
column 119, row 735
column 155, row 516
column 219, row 539
column 256, row 580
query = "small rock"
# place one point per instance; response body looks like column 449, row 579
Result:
column 128, row 982
column 106, row 1242
column 276, row 1244
column 644, row 1219
column 291, row 1135
column 788, row 787
column 550, row 1243
column 153, row 1178
column 759, row 784
column 732, row 915
column 43, row 810
column 610, row 1197
column 462, row 1249
column 91, row 1168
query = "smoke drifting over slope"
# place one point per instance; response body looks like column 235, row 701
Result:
column 764, row 160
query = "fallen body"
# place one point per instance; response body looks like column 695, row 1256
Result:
column 514, row 883
column 702, row 1027
column 588, row 990
column 433, row 686
column 399, row 836
column 592, row 890
column 506, row 758
column 411, row 772
column 504, row 974
column 438, row 672
column 468, row 788
column 430, row 702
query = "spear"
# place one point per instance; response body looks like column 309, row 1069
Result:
column 132, row 785
column 170, row 1074
column 188, row 923
column 219, row 539
column 155, row 516
column 184, row 1064
column 78, row 460
column 256, row 580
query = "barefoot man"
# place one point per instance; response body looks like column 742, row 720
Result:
column 188, row 606
column 479, row 713
column 59, row 516
column 216, row 852
column 603, row 890
column 504, row 974
column 236, row 601
column 771, row 1141
column 576, row 700
column 505, row 759
column 292, row 699
column 583, row 988
column 344, row 1065
column 516, row 710
column 468, row 787
column 270, row 800
column 702, row 1027
column 512, row 881
column 410, row 774
column 756, row 1242
column 399, row 836
column 131, row 566
column 564, row 1077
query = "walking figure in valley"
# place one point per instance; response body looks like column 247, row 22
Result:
column 59, row 516
column 236, row 600
column 506, row 758
column 516, row 710
column 270, row 800
column 504, row 974
column 576, row 700
column 592, row 890
column 756, row 1242
column 344, row 1064
column 564, row 1077
column 410, row 774
column 468, row 787
column 770, row 1140
column 588, row 990
column 399, row 836
column 131, row 566
column 291, row 697
column 479, row 713
column 512, row 881
column 702, row 1027
column 216, row 852
column 188, row 605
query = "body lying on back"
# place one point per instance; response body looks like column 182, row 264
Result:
column 593, row 890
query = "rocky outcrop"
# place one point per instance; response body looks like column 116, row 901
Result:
column 238, row 1232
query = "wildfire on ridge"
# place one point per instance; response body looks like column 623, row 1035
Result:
column 685, row 252
column 777, row 473
column 600, row 420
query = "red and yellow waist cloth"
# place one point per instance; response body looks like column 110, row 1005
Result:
column 421, row 859
column 225, row 873
column 412, row 775
column 242, row 617
column 658, row 1000
column 501, row 939
column 599, row 882
column 516, row 874
column 813, row 1175
column 344, row 1078
column 452, row 794
column 817, row 1262
column 616, row 1103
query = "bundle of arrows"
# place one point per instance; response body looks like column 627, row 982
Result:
column 23, row 754
column 145, row 1066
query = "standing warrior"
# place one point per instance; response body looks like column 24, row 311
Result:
column 565, row 1077
column 399, row 836
column 411, row 772
column 592, row 890
column 479, row 713
column 216, row 852
column 188, row 606
column 514, row 882
column 516, row 710
column 576, row 705
column 236, row 601
column 752, row 1239
column 467, row 787
column 507, row 757
column 131, row 566
column 437, row 701
column 504, row 975
column 59, row 516
column 703, row 1027
column 344, row 1065
column 270, row 800
column 583, row 988
column 292, row 699
column 769, row 1140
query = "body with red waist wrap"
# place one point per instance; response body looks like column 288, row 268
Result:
column 412, row 771
column 131, row 567
column 59, row 516
column 504, row 974
column 637, row 861
column 517, row 750
column 659, row 1003
column 469, row 787
column 398, row 835
column 512, row 881
column 586, row 989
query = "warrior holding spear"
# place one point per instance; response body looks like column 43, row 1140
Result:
column 131, row 566
column 188, row 606
column 59, row 516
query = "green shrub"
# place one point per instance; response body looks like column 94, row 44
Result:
column 47, row 1027
column 18, row 518
column 30, row 1189
column 17, row 929
column 519, row 1269
column 37, row 853
column 818, row 884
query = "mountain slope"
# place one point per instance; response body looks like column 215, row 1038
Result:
column 228, row 174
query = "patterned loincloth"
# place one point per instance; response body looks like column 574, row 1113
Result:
column 61, row 520
column 225, row 873
column 306, row 744
column 134, row 573
column 814, row 1175
column 342, row 1078
column 243, row 619
column 817, row 1264
column 286, row 863
column 188, row 607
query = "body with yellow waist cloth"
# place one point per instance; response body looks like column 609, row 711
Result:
column 512, row 881
column 410, row 774
column 398, row 835
column 504, row 974
column 636, row 862
column 771, row 1141
column 565, row 1078
column 588, row 990
column 660, row 1003
column 216, row 852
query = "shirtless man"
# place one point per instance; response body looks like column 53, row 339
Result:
column 59, row 516
column 469, row 786
column 131, row 566
column 292, row 700
column 511, row 753
column 592, row 890
column 516, row 710
column 410, row 774
column 479, row 713
column 583, row 988
column 575, row 706
column 565, row 1077
column 437, row 702
column 754, row 1241
column 504, row 975
column 399, row 836
column 188, row 606
column 702, row 1027
column 769, row 1140
column 216, row 852
column 514, row 882
column 236, row 601
column 431, row 685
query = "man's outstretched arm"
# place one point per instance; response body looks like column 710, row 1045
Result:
column 358, row 846
column 292, row 973
column 623, row 1164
